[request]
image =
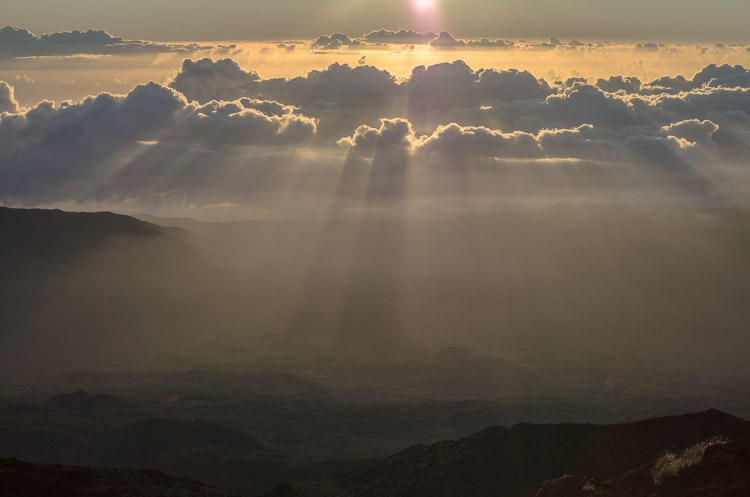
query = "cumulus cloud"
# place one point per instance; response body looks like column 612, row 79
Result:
column 455, row 84
column 54, row 149
column 18, row 42
column 439, row 86
column 463, row 145
column 392, row 134
column 619, row 83
column 343, row 97
column 205, row 79
column 353, row 89
column 8, row 101
column 714, row 76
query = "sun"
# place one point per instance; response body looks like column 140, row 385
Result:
column 424, row 5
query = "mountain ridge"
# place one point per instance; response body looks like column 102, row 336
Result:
column 516, row 461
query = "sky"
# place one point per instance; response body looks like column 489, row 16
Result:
column 632, row 20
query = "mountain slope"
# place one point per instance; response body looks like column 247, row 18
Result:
column 517, row 461
column 21, row 479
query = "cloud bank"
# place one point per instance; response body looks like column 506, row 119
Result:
column 217, row 123
column 18, row 42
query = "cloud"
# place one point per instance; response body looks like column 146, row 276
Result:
column 463, row 146
column 619, row 83
column 335, row 42
column 446, row 40
column 393, row 134
column 355, row 89
column 205, row 79
column 712, row 75
column 402, row 36
column 8, row 101
column 343, row 97
column 459, row 142
column 18, row 42
column 449, row 85
column 55, row 152
column 23, row 78
column 647, row 47
column 190, row 134
column 693, row 130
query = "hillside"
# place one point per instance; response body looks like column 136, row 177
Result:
column 516, row 461
column 21, row 479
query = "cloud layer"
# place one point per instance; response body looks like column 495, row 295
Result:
column 217, row 123
column 18, row 42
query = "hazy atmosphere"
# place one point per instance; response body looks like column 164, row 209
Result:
column 391, row 249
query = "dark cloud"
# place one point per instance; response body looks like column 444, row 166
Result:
column 18, row 42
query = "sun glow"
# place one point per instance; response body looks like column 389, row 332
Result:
column 424, row 5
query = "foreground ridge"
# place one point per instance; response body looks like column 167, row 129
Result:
column 644, row 458
column 22, row 479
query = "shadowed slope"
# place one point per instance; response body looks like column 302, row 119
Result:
column 516, row 461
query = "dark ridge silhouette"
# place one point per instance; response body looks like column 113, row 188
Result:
column 83, row 401
column 516, row 461
column 22, row 479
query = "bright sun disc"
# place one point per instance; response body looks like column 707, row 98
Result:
column 424, row 4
